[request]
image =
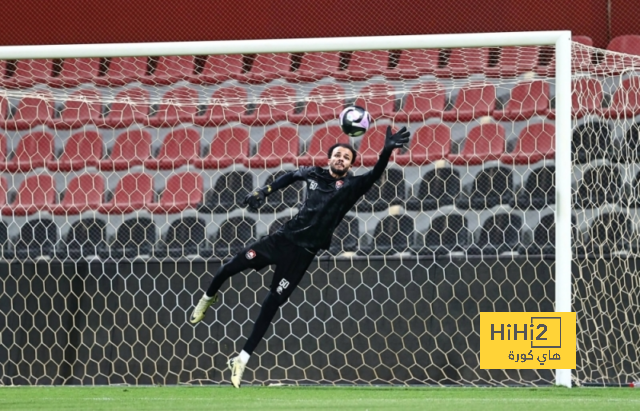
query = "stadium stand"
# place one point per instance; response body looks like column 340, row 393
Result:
column 82, row 149
column 82, row 193
column 364, row 64
column 130, row 106
column 485, row 142
column 315, row 66
column 179, row 147
column 437, row 188
column 321, row 141
column 279, row 145
column 178, row 106
column 324, row 103
column 429, row 143
column 121, row 71
column 131, row 148
column 133, row 192
column 170, row 70
column 33, row 151
column 74, row 71
column 218, row 69
column 266, row 67
column 228, row 192
column 412, row 64
column 424, row 101
column 229, row 146
column 28, row 73
column 473, row 101
column 227, row 104
column 32, row 111
column 535, row 143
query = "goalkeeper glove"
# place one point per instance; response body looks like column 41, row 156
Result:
column 255, row 199
column 396, row 140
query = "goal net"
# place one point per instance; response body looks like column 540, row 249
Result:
column 122, row 180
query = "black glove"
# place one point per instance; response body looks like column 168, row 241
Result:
column 255, row 199
column 396, row 140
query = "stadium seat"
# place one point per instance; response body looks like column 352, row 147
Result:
column 288, row 197
column 388, row 190
column 185, row 237
column 266, row 67
column 364, row 64
column 590, row 141
column 86, row 238
column 484, row 142
column 130, row 106
column 539, row 191
column 133, row 192
column 170, row 70
column 610, row 233
column 581, row 58
column 182, row 191
column 371, row 145
column 4, row 109
column 463, row 62
column 33, row 110
column 392, row 235
column 279, row 145
column 321, row 141
column 229, row 146
column 535, row 142
column 276, row 104
column 345, row 237
column 586, row 98
column 429, row 143
column 629, row 149
column 625, row 102
column 492, row 186
column 528, row 99
column 234, row 235
column 315, row 66
column 500, row 233
column 76, row 71
column 448, row 233
column 378, row 99
column 544, row 236
column 82, row 149
column 122, row 70
column 228, row 193
column 179, row 147
column 324, row 103
column 134, row 238
column 4, row 189
column 226, row 105
column 33, row 151
column 438, row 188
column 131, row 148
column 424, row 101
column 598, row 186
column 37, row 239
column 414, row 63
column 3, row 152
column 514, row 61
column 474, row 100
column 29, row 73
column 219, row 68
column 5, row 249
column 83, row 107
column 83, row 193
column 36, row 193
column 179, row 105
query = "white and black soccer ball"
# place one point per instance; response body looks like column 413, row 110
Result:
column 355, row 121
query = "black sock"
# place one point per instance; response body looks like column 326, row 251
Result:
column 267, row 312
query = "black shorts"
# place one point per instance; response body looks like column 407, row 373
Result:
column 291, row 260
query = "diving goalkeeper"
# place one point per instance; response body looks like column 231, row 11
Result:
column 331, row 193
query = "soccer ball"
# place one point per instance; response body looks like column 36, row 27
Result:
column 355, row 121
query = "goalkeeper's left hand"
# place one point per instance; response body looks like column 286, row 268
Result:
column 256, row 198
column 396, row 140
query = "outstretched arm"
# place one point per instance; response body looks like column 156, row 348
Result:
column 391, row 142
column 256, row 198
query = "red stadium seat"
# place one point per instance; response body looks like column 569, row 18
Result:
column 424, row 101
column 226, row 105
column 178, row 106
column 76, row 71
column 586, row 98
column 267, row 67
column 474, row 100
column 82, row 149
column 535, row 142
column 321, row 141
column 528, row 99
column 130, row 106
column 229, row 146
column 32, row 152
column 219, row 68
column 133, row 192
column 465, row 62
column 371, row 146
column 514, row 61
column 279, row 145
column 617, row 62
column 3, row 192
column 83, row 193
column 178, row 148
column 324, row 103
column 3, row 152
column 122, row 71
column 483, row 143
column 378, row 99
column 625, row 102
column 131, row 149
column 315, row 66
column 170, row 69
column 4, row 109
column 182, row 191
column 36, row 193
column 33, row 110
column 414, row 63
column 81, row 108
column 276, row 104
column 581, row 59
column 29, row 73
column 363, row 65
column 429, row 143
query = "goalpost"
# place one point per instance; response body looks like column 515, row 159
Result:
column 81, row 340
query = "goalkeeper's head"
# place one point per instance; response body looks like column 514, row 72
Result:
column 341, row 157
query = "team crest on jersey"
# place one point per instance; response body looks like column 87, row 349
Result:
column 339, row 184
column 250, row 255
column 313, row 184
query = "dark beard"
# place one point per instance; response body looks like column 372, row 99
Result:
column 339, row 173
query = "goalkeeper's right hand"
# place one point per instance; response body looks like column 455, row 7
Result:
column 255, row 199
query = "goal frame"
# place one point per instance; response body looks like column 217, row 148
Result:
column 560, row 39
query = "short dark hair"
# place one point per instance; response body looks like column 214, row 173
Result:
column 354, row 153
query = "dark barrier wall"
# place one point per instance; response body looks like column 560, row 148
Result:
column 363, row 321
column 90, row 21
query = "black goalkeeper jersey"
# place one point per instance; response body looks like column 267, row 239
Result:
column 327, row 201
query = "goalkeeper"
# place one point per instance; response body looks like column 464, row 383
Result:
column 331, row 193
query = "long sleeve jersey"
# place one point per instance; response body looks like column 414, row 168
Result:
column 328, row 200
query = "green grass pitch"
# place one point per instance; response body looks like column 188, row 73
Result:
column 180, row 398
